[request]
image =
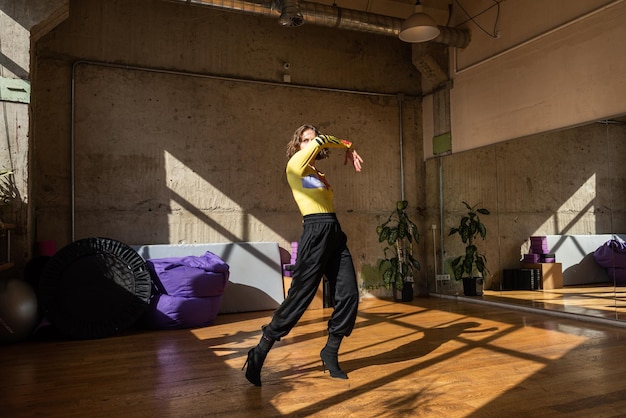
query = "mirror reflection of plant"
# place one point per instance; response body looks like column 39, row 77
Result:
column 469, row 229
column 399, row 232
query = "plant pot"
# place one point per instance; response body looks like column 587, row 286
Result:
column 472, row 286
column 407, row 292
column 397, row 294
column 404, row 295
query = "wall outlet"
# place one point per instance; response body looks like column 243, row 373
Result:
column 443, row 277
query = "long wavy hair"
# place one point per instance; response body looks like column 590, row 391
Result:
column 294, row 144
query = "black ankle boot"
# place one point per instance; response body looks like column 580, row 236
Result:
column 255, row 363
column 329, row 356
column 255, row 360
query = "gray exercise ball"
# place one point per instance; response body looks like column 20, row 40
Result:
column 18, row 310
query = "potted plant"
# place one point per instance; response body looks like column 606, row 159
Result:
column 398, row 265
column 468, row 267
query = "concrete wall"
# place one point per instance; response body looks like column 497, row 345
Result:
column 158, row 123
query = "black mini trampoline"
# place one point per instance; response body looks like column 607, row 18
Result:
column 94, row 288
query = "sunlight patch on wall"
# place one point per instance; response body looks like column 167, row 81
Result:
column 579, row 205
column 18, row 62
column 196, row 204
column 183, row 181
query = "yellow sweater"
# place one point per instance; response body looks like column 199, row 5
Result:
column 310, row 189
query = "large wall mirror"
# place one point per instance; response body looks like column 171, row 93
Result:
column 567, row 185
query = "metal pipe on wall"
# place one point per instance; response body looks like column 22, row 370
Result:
column 312, row 13
column 72, row 162
column 441, row 214
column 401, row 140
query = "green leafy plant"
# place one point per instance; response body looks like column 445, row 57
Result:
column 399, row 233
column 7, row 188
column 8, row 191
column 469, row 229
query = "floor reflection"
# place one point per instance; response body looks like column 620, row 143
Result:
column 596, row 301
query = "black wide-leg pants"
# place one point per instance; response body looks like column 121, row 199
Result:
column 322, row 251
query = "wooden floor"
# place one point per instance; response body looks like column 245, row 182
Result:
column 434, row 357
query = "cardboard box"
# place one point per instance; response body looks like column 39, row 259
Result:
column 551, row 274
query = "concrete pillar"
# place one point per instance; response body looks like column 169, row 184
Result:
column 21, row 24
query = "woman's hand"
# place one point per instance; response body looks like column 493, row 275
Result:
column 356, row 159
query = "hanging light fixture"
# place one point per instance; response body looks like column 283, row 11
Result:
column 419, row 27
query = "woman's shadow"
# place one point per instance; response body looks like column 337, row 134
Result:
column 432, row 338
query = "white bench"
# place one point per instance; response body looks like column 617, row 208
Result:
column 256, row 279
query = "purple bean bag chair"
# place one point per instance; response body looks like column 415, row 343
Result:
column 187, row 291
column 612, row 256
column 189, row 276
column 176, row 312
